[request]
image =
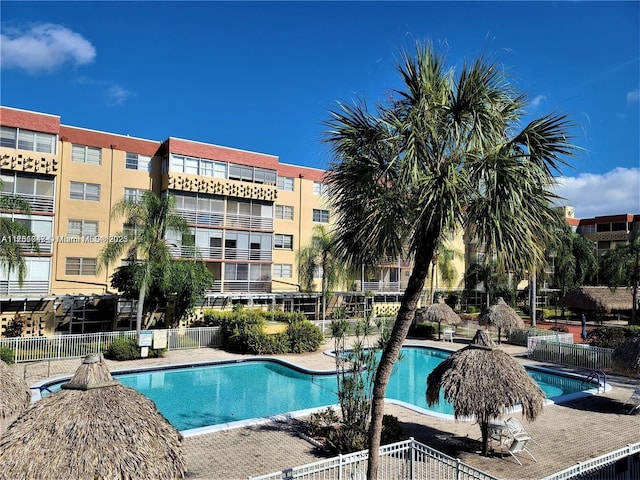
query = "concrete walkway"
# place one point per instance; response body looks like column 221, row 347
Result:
column 564, row 434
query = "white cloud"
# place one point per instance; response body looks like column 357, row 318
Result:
column 44, row 48
column 537, row 100
column 592, row 195
column 116, row 95
column 633, row 96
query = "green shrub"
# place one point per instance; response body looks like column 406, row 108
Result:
column 7, row 355
column 304, row 336
column 606, row 337
column 391, row 430
column 423, row 330
column 127, row 349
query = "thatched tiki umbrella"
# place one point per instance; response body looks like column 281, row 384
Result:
column 483, row 382
column 15, row 396
column 94, row 428
column 626, row 356
column 500, row 315
column 440, row 312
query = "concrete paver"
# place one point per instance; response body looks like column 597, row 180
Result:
column 564, row 434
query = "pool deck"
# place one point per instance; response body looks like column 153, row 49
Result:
column 564, row 434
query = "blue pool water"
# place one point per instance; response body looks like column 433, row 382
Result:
column 194, row 397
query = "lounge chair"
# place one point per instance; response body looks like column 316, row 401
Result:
column 515, row 426
column 448, row 332
column 519, row 445
column 634, row 400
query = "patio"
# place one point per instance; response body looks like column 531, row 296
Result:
column 565, row 434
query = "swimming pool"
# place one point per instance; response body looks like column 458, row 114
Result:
column 217, row 394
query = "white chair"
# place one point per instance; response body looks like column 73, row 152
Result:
column 519, row 445
column 447, row 333
column 634, row 400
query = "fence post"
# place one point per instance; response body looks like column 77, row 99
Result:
column 457, row 469
column 412, row 459
column 340, row 467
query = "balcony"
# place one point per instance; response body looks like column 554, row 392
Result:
column 247, row 254
column 381, row 286
column 38, row 203
column 249, row 222
column 29, row 287
column 239, row 286
column 206, row 253
column 212, row 219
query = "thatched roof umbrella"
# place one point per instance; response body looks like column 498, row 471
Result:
column 598, row 299
column 440, row 312
column 626, row 356
column 500, row 315
column 93, row 428
column 483, row 382
column 15, row 396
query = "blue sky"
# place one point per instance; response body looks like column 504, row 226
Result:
column 262, row 76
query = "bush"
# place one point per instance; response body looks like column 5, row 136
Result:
column 606, row 337
column 7, row 355
column 391, row 430
column 127, row 349
column 304, row 336
column 423, row 330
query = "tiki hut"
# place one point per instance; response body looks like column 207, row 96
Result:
column 482, row 382
column 598, row 300
column 93, row 428
column 626, row 356
column 15, row 396
column 441, row 312
column 500, row 315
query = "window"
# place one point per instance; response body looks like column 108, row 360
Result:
column 85, row 191
column 27, row 140
column 80, row 228
column 138, row 162
column 283, row 242
column 282, row 270
column 284, row 212
column 317, row 271
column 240, row 172
column 80, row 266
column 320, row 216
column 133, row 194
column 320, row 188
column 84, row 154
column 285, row 183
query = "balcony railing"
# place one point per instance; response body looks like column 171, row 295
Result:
column 381, row 286
column 243, row 286
column 247, row 254
column 248, row 221
column 206, row 253
column 12, row 287
column 45, row 246
column 38, row 203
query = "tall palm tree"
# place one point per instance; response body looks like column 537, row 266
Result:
column 11, row 233
column 440, row 153
column 442, row 265
column 620, row 267
column 146, row 221
column 574, row 260
column 320, row 254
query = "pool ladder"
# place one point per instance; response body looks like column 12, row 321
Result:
column 597, row 376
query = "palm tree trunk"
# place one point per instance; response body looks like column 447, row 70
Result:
column 143, row 291
column 391, row 351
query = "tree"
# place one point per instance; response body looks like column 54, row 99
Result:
column 147, row 221
column 620, row 267
column 439, row 154
column 443, row 263
column 186, row 282
column 14, row 236
column 320, row 254
column 574, row 260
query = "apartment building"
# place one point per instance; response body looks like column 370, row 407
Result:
column 608, row 231
column 249, row 214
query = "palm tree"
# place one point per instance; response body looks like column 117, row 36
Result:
column 11, row 231
column 439, row 154
column 442, row 262
column 320, row 254
column 619, row 267
column 574, row 260
column 147, row 221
